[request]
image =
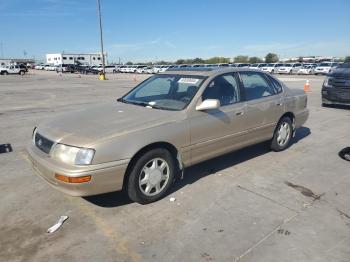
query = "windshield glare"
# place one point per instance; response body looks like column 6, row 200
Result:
column 169, row 92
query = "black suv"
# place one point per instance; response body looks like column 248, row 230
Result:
column 336, row 87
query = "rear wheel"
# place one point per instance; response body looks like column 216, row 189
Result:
column 282, row 135
column 151, row 176
column 5, row 73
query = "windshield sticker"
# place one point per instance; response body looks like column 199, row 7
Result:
column 192, row 81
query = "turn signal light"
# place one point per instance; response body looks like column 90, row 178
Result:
column 81, row 179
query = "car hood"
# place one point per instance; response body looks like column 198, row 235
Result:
column 341, row 73
column 86, row 127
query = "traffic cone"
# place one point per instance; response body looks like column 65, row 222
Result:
column 307, row 86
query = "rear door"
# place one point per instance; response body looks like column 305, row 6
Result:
column 264, row 105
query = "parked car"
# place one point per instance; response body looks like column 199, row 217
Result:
column 242, row 65
column 39, row 67
column 336, row 87
column 124, row 69
column 271, row 68
column 325, row 68
column 141, row 69
column 257, row 66
column 64, row 68
column 163, row 68
column 306, row 70
column 23, row 67
column 156, row 68
column 50, row 67
column 120, row 69
column 291, row 68
column 171, row 121
column 11, row 69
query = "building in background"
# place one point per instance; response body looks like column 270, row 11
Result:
column 91, row 59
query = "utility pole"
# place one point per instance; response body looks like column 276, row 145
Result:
column 103, row 76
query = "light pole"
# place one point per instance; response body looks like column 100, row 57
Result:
column 103, row 76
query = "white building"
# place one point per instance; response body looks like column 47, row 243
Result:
column 65, row 58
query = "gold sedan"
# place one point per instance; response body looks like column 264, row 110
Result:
column 169, row 122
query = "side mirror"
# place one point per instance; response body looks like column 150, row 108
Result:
column 208, row 104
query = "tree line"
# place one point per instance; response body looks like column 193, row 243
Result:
column 269, row 58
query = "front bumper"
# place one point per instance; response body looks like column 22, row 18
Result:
column 336, row 96
column 107, row 177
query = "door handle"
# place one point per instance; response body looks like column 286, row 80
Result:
column 279, row 104
column 240, row 113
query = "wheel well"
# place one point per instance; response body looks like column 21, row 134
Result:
column 171, row 148
column 291, row 116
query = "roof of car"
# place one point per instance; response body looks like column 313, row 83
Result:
column 205, row 71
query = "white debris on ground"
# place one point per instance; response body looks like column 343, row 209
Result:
column 172, row 199
column 56, row 226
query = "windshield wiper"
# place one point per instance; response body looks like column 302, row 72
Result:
column 133, row 102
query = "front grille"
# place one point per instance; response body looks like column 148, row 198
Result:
column 337, row 82
column 43, row 143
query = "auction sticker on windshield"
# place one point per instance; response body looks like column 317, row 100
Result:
column 188, row 80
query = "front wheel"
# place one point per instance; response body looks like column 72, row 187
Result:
column 282, row 135
column 151, row 176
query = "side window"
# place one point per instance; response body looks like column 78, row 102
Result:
column 223, row 88
column 277, row 86
column 255, row 86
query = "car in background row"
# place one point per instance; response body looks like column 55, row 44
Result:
column 271, row 68
column 290, row 68
column 11, row 69
column 39, row 67
column 336, row 87
column 50, row 67
column 325, row 68
column 257, row 66
column 306, row 70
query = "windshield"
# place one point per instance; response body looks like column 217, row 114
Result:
column 325, row 64
column 287, row 65
column 169, row 92
column 345, row 65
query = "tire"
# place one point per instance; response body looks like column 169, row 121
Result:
column 5, row 73
column 152, row 159
column 280, row 141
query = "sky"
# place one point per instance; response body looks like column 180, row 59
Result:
column 154, row 30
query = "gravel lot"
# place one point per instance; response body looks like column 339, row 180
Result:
column 251, row 205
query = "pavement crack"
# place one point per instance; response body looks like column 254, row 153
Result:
column 265, row 238
column 267, row 198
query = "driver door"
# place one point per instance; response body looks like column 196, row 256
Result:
column 217, row 131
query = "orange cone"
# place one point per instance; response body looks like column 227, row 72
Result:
column 307, row 86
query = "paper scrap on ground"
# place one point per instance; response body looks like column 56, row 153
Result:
column 56, row 226
column 172, row 199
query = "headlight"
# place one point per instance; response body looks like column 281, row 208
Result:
column 73, row 155
column 328, row 82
